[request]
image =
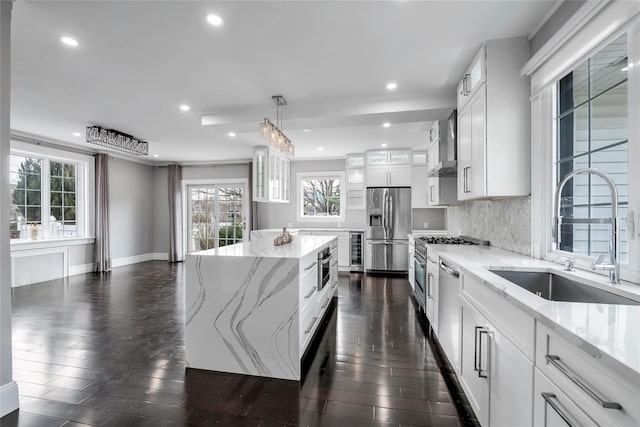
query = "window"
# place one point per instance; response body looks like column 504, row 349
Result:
column 47, row 198
column 320, row 196
column 592, row 132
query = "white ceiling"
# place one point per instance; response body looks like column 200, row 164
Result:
column 138, row 61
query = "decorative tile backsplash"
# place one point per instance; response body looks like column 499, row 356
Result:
column 505, row 223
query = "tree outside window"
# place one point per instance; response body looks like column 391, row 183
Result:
column 321, row 197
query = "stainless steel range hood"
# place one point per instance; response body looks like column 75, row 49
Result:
column 447, row 164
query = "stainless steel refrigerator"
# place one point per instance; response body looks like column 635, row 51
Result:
column 388, row 224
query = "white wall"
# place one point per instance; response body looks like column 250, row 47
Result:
column 278, row 215
column 131, row 207
column 8, row 388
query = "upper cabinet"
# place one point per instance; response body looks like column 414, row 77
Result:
column 493, row 123
column 389, row 168
column 271, row 176
column 356, row 178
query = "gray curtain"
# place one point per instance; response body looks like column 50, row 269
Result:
column 176, row 247
column 253, row 223
column 102, row 253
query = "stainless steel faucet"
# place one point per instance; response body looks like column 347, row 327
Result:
column 613, row 266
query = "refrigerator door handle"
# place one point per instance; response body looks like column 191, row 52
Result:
column 390, row 220
column 383, row 242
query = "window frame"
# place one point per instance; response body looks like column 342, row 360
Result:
column 85, row 170
column 543, row 125
column 300, row 176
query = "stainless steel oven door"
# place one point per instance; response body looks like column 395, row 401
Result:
column 420, row 279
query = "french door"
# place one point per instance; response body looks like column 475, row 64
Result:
column 217, row 215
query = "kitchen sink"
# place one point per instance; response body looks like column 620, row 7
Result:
column 554, row 287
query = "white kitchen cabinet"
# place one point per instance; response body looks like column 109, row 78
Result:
column 442, row 191
column 271, row 176
column 356, row 181
column 410, row 262
column 565, row 365
column 433, row 289
column 496, row 377
column 389, row 168
column 342, row 246
column 493, row 123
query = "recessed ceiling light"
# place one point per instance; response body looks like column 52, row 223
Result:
column 156, row 155
column 306, row 130
column 69, row 41
column 320, row 148
column 392, row 85
column 76, row 134
column 214, row 19
column 185, row 107
column 384, row 144
column 386, row 124
column 231, row 134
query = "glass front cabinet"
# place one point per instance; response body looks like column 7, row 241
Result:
column 271, row 176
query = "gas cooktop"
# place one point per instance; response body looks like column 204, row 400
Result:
column 452, row 240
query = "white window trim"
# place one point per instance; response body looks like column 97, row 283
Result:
column 543, row 132
column 322, row 175
column 85, row 176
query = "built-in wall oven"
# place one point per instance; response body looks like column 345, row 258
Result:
column 324, row 268
column 420, row 275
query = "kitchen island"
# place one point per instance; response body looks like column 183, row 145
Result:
column 253, row 308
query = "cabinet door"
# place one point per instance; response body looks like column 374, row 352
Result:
column 510, row 400
column 477, row 72
column 433, row 156
column 476, row 177
column 434, row 133
column 400, row 157
column 355, row 161
column 432, row 292
column 411, row 265
column 473, row 366
column 355, row 188
column 419, row 189
column 377, row 158
column 377, row 176
column 462, row 94
column 260, row 175
column 399, row 176
column 433, row 191
column 464, row 153
column 343, row 251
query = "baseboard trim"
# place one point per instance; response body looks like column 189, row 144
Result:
column 9, row 398
column 81, row 269
column 154, row 256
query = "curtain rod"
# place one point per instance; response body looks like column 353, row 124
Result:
column 43, row 143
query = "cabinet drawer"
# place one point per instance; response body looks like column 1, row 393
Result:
column 514, row 323
column 309, row 320
column 308, row 282
column 586, row 380
column 552, row 407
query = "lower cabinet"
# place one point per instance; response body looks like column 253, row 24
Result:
column 496, row 377
column 433, row 290
column 410, row 265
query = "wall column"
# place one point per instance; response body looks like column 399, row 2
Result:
column 8, row 387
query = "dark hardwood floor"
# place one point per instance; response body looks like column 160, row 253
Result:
column 109, row 350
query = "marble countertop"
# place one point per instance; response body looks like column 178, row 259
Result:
column 609, row 333
column 301, row 246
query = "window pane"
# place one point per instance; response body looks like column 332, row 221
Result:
column 69, row 184
column 56, row 199
column 608, row 66
column 56, row 169
column 69, row 170
column 33, row 198
column 615, row 162
column 321, row 197
column 33, row 214
column 56, row 212
column 573, row 130
column 609, row 118
column 573, row 89
column 69, row 214
column 56, row 184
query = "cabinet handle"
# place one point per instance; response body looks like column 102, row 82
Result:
column 466, row 179
column 429, row 278
column 326, row 302
column 335, row 283
column 431, row 193
column 333, row 264
column 313, row 322
column 481, row 372
column 465, row 88
column 310, row 266
column 475, row 348
column 555, row 361
column 565, row 417
column 307, row 296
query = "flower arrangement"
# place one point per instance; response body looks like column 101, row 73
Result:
column 33, row 231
